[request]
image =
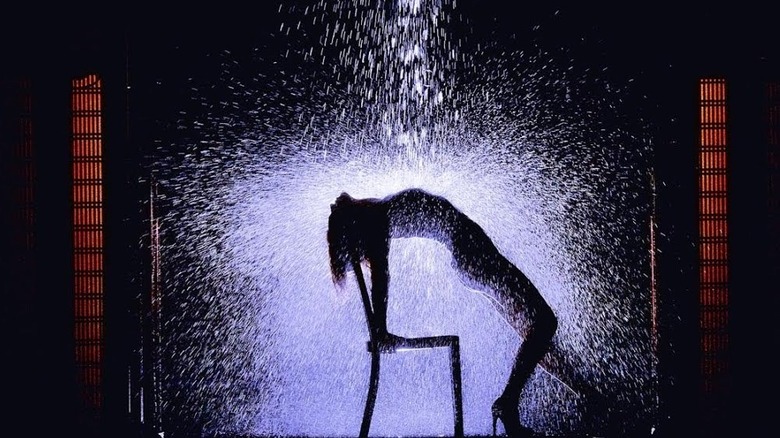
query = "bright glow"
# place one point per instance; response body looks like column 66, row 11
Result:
column 260, row 343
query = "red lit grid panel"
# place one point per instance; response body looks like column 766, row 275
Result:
column 87, row 201
column 713, row 233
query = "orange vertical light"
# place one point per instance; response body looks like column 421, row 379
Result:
column 713, row 233
column 87, row 202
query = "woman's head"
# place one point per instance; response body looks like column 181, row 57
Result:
column 341, row 239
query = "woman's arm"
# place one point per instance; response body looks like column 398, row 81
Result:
column 380, row 277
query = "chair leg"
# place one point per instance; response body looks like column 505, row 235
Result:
column 457, row 398
column 373, row 385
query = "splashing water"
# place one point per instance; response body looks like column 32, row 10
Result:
column 371, row 100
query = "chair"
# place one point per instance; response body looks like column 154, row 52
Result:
column 376, row 347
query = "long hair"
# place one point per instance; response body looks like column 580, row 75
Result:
column 340, row 240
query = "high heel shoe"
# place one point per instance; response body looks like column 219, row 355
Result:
column 510, row 418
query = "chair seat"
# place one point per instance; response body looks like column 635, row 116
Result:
column 402, row 344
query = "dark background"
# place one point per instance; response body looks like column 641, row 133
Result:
column 665, row 47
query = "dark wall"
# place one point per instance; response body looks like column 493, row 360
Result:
column 663, row 47
column 44, row 391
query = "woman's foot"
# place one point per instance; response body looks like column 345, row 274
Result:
column 509, row 415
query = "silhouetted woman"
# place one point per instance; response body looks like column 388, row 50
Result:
column 360, row 230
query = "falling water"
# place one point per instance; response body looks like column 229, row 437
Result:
column 370, row 100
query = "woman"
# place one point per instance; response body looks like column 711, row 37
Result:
column 360, row 230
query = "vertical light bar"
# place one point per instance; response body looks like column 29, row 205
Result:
column 654, row 295
column 653, row 283
column 713, row 235
column 155, row 313
column 87, row 202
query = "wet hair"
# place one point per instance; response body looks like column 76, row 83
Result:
column 340, row 242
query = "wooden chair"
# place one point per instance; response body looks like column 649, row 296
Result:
column 377, row 347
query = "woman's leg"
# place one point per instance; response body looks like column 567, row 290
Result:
column 526, row 311
column 533, row 347
column 535, row 323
